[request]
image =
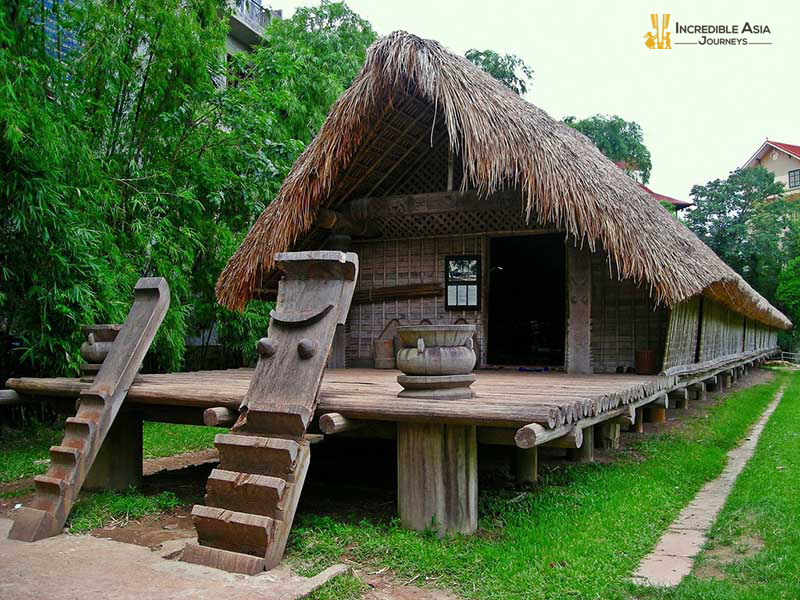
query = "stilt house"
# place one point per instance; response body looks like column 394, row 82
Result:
column 468, row 204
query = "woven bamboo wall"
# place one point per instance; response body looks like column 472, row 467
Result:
column 406, row 262
column 684, row 323
column 724, row 332
column 624, row 319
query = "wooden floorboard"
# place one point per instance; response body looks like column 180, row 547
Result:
column 504, row 398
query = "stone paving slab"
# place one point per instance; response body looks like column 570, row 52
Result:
column 673, row 557
column 66, row 567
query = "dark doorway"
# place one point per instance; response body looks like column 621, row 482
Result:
column 527, row 304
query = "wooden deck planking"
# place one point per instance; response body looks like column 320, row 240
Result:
column 504, row 399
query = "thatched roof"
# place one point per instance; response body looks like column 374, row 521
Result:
column 502, row 141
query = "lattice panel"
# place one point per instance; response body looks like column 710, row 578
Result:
column 453, row 223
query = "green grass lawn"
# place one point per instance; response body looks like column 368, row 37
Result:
column 582, row 533
column 758, row 530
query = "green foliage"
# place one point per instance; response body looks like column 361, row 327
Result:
column 746, row 221
column 509, row 69
column 127, row 158
column 620, row 140
column 788, row 294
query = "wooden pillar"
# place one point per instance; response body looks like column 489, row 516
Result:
column 699, row 390
column 585, row 453
column 639, row 424
column 680, row 398
column 578, row 355
column 726, row 379
column 655, row 414
column 609, row 435
column 527, row 465
column 437, row 477
column 118, row 464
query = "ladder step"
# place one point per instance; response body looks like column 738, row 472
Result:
column 288, row 420
column 233, row 562
column 231, row 530
column 80, row 427
column 259, row 455
column 246, row 492
column 64, row 455
column 52, row 486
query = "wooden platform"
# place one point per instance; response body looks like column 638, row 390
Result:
column 504, row 398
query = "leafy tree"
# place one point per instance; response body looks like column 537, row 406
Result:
column 746, row 221
column 620, row 140
column 126, row 158
column 509, row 69
column 788, row 294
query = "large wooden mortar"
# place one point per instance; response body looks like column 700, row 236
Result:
column 437, row 361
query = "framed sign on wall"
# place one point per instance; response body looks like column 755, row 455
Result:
column 462, row 282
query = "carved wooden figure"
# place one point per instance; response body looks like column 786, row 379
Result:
column 252, row 496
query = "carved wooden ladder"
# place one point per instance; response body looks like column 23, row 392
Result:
column 98, row 406
column 251, row 498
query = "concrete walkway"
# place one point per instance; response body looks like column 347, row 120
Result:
column 673, row 557
column 81, row 566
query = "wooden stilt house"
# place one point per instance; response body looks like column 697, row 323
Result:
column 459, row 202
column 467, row 204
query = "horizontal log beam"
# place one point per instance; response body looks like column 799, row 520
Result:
column 365, row 209
column 331, row 423
column 332, row 220
column 219, row 417
column 12, row 398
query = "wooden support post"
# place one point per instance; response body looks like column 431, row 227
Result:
column 680, row 398
column 639, row 424
column 711, row 383
column 726, row 379
column 609, row 435
column 118, row 464
column 579, row 306
column 699, row 390
column 527, row 465
column 655, row 414
column 585, row 453
column 437, row 477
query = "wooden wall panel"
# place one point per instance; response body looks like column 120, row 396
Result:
column 684, row 323
column 403, row 262
column 624, row 319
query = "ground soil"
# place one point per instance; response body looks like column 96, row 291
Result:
column 717, row 558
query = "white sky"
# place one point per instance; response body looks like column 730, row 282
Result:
column 704, row 110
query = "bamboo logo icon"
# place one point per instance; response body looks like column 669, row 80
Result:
column 659, row 39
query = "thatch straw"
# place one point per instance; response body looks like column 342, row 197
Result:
column 504, row 142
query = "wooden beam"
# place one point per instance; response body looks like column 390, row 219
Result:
column 333, row 220
column 579, row 306
column 365, row 209
column 331, row 423
column 574, row 439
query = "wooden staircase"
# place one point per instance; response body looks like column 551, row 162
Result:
column 98, row 406
column 251, row 498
